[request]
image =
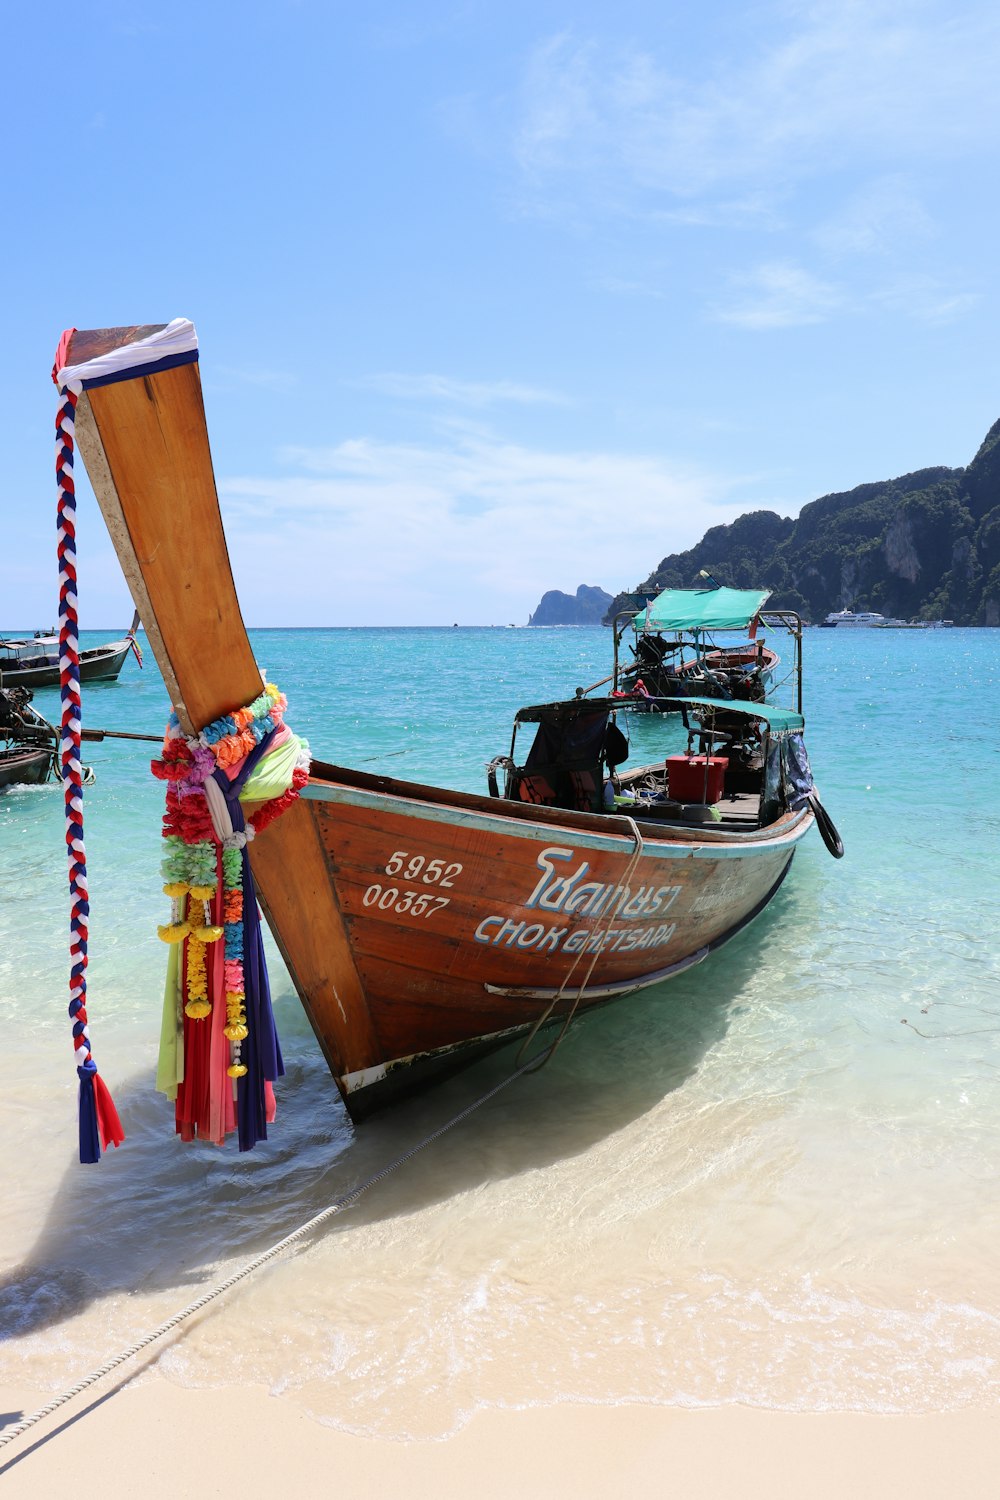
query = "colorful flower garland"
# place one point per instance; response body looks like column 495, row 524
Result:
column 208, row 880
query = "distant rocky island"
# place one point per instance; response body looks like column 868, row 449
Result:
column 587, row 606
column 923, row 546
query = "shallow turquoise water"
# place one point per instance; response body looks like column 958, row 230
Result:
column 771, row 1181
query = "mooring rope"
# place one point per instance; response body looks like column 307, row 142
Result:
column 603, row 928
column 336, row 1207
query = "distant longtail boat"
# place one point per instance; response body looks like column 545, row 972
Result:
column 34, row 661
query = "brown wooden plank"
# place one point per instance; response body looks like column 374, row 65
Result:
column 152, row 430
column 297, row 893
column 91, row 343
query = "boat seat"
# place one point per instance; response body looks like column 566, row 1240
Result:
column 559, row 786
column 565, row 765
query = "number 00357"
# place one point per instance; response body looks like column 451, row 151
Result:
column 404, row 903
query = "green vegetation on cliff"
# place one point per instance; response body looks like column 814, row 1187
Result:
column 924, row 546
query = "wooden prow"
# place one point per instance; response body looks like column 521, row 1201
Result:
column 145, row 444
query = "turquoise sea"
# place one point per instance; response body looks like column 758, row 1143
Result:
column 772, row 1181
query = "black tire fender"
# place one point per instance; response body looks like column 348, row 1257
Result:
column 827, row 828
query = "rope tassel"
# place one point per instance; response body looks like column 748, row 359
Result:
column 99, row 1122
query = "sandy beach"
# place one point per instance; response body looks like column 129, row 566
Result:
column 167, row 1441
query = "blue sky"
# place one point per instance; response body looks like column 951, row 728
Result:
column 501, row 297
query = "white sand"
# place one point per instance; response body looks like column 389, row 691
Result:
column 157, row 1439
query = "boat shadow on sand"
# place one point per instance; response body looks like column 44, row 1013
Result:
column 157, row 1216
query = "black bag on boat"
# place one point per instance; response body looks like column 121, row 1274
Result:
column 564, row 765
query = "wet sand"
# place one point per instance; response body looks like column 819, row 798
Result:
column 165, row 1440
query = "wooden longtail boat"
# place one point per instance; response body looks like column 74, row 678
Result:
column 744, row 671
column 420, row 925
column 674, row 653
column 22, row 765
column 35, row 662
column 27, row 742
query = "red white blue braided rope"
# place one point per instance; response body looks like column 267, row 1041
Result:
column 69, row 687
column 96, row 1124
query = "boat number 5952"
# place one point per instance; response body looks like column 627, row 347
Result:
column 427, row 871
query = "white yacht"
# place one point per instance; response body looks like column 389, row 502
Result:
column 848, row 617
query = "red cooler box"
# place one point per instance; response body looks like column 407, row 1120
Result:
column 686, row 780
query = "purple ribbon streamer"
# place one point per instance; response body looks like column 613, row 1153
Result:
column 261, row 1051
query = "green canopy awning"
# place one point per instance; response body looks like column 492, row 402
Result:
column 778, row 720
column 701, row 609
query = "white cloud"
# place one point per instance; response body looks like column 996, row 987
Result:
column 876, row 220
column 780, row 295
column 762, row 210
column 474, row 531
column 836, row 124
column 814, row 86
column 927, row 299
column 459, row 392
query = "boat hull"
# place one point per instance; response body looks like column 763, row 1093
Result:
column 465, row 920
column 101, row 665
column 23, row 767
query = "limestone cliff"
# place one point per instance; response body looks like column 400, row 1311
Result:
column 587, row 607
column 925, row 545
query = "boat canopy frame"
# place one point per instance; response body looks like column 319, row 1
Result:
column 775, row 722
column 779, row 720
column 557, row 772
column 685, row 611
column 787, row 620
